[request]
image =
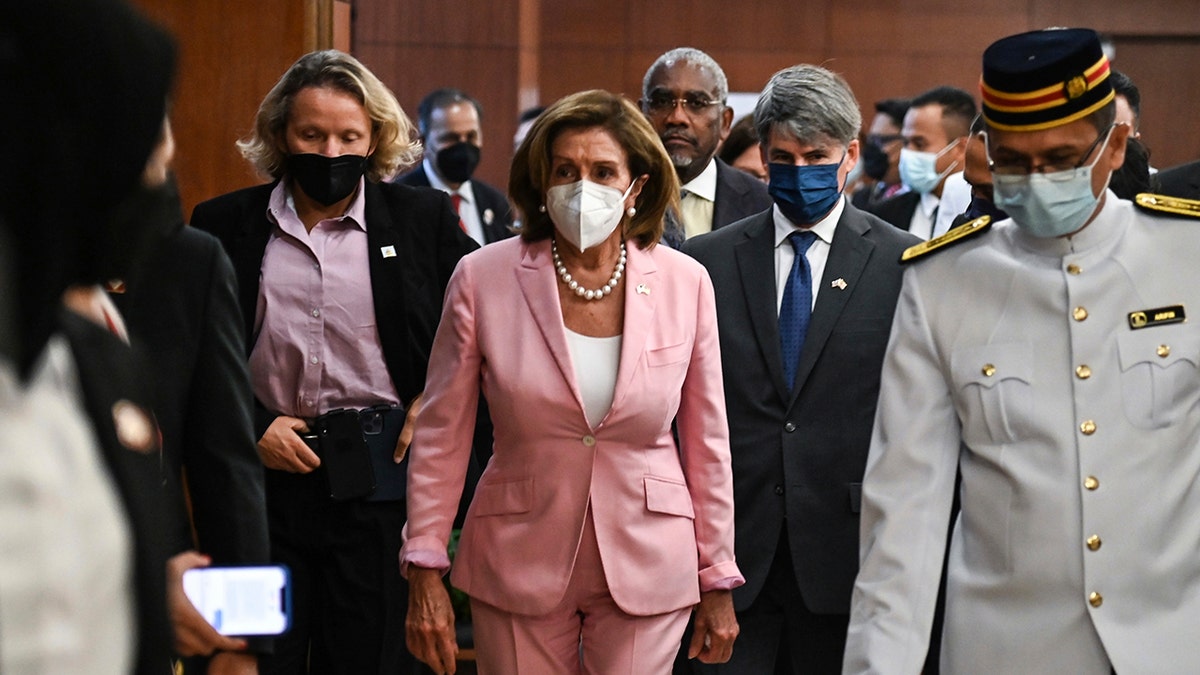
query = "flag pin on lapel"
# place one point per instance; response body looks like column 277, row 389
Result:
column 643, row 289
column 839, row 283
column 488, row 216
column 388, row 251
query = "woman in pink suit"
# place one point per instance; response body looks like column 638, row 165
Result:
column 592, row 533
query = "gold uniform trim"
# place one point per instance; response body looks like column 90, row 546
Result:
column 954, row 236
column 1176, row 205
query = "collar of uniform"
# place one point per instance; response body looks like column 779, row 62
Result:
column 1107, row 226
column 435, row 181
column 705, row 185
column 823, row 228
column 281, row 207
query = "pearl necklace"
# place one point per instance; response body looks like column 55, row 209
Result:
column 582, row 292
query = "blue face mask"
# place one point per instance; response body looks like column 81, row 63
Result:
column 805, row 194
column 918, row 170
column 1049, row 205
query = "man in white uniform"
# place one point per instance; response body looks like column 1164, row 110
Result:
column 1049, row 359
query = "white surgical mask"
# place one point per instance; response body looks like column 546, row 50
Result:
column 585, row 213
column 918, row 170
column 1049, row 205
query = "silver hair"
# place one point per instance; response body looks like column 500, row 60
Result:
column 694, row 57
column 806, row 101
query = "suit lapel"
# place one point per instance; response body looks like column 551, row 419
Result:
column 848, row 255
column 755, row 256
column 538, row 283
column 640, row 273
column 246, row 254
column 727, row 198
column 389, row 256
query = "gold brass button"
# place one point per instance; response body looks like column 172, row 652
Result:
column 1093, row 543
column 1080, row 314
column 1088, row 427
column 1095, row 599
column 988, row 370
column 1163, row 351
column 1083, row 372
column 589, row 440
column 1074, row 269
column 1091, row 482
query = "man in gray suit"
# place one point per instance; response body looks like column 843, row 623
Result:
column 802, row 342
column 1046, row 359
column 683, row 96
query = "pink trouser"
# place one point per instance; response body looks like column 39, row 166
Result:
column 585, row 633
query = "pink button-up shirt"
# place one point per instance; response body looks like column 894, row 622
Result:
column 316, row 344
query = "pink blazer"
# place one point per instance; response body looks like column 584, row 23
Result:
column 663, row 516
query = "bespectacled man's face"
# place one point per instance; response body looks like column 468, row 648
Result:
column 683, row 105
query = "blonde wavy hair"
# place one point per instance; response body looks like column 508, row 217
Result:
column 397, row 144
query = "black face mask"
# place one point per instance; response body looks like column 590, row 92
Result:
column 457, row 162
column 875, row 161
column 327, row 180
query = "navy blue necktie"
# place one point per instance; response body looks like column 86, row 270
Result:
column 797, row 305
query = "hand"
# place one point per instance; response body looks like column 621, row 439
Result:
column 233, row 663
column 429, row 627
column 282, row 448
column 716, row 628
column 410, row 428
column 193, row 635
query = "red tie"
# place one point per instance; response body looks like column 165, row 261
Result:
column 456, row 200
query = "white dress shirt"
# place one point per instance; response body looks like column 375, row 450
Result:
column 468, row 210
column 817, row 254
column 697, row 207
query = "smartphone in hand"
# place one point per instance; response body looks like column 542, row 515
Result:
column 241, row 600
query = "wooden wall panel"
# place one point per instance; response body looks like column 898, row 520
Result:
column 227, row 64
column 1170, row 96
column 417, row 46
column 510, row 53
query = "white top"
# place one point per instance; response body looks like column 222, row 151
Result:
column 817, row 254
column 956, row 197
column 66, row 598
column 468, row 210
column 595, row 360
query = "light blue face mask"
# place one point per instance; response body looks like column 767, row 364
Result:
column 1049, row 205
column 918, row 170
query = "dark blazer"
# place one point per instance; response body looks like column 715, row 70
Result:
column 738, row 195
column 407, row 288
column 181, row 310
column 108, row 373
column 1180, row 181
column 818, row 434
column 897, row 210
column 487, row 199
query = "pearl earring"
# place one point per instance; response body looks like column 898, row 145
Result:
column 631, row 211
column 542, row 208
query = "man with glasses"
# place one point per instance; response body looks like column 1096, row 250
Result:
column 683, row 96
column 881, row 153
column 1048, row 360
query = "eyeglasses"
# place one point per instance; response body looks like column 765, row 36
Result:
column 662, row 104
column 881, row 140
column 1055, row 170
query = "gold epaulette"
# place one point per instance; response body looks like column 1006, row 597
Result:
column 1167, row 204
column 960, row 233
